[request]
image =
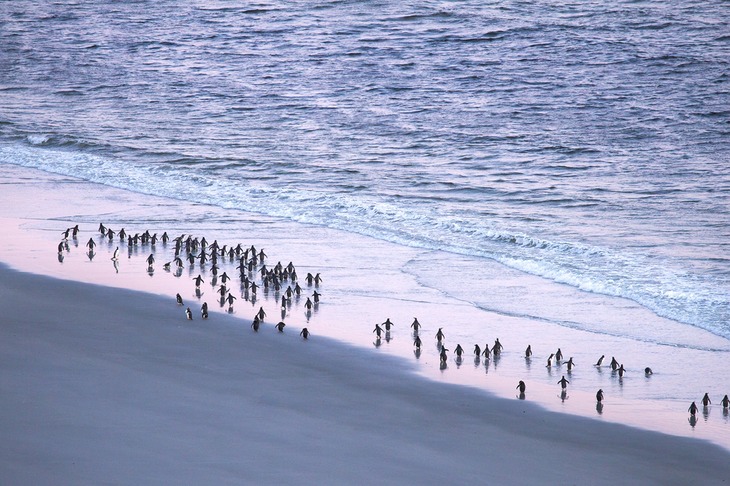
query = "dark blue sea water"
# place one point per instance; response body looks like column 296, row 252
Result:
column 584, row 142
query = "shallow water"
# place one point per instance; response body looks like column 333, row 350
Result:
column 368, row 280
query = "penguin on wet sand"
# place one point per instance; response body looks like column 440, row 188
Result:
column 189, row 314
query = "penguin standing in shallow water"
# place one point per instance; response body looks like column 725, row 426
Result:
column 528, row 351
column 599, row 396
column 521, row 386
column 115, row 257
column 600, row 360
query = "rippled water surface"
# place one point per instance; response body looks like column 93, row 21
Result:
column 583, row 142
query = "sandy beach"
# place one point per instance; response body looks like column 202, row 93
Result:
column 103, row 384
column 113, row 386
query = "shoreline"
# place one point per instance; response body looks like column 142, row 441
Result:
column 391, row 292
column 122, row 386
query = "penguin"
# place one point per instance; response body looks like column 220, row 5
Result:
column 204, row 313
column 693, row 409
column 150, row 260
column 304, row 333
column 550, row 360
column 459, row 350
column 261, row 314
column 61, row 246
column 230, row 299
column 309, row 278
column 204, row 307
column 497, row 348
column 115, row 257
column 280, row 326
column 570, row 364
column 558, row 356
column 648, row 371
column 600, row 360
column 440, row 335
column 599, row 396
column 91, row 244
column 189, row 313
column 417, row 342
column 415, row 325
column 563, row 382
column 75, row 231
column 486, row 353
column 477, row 350
column 443, row 356
column 255, row 324
column 528, row 351
column 725, row 402
column 621, row 371
column 378, row 330
column 614, row 363
column 179, row 299
column 706, row 400
column 317, row 280
column 315, row 297
column 198, row 280
column 521, row 386
column 387, row 324
column 308, row 304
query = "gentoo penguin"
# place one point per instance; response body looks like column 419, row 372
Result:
column 440, row 335
column 725, row 402
column 315, row 297
column 417, row 342
column 600, row 360
column 178, row 298
column 486, row 353
column 550, row 360
column 91, row 244
column 459, row 350
column 442, row 356
column 570, row 363
column 280, row 326
column 150, row 260
column 693, row 409
column 563, row 382
column 198, row 280
column 497, row 348
column 415, row 325
column 521, row 386
column 261, row 314
column 115, row 257
column 477, row 350
column 255, row 324
column 528, row 351
column 305, row 331
column 189, row 313
column 599, row 396
column 378, row 330
column 614, row 363
column 308, row 304
column 558, row 356
column 317, row 279
column 621, row 371
column 387, row 324
column 648, row 371
column 706, row 400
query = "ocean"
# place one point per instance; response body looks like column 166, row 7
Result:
column 563, row 164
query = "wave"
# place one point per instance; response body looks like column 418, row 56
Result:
column 698, row 300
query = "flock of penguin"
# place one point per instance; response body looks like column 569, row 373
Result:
column 496, row 349
column 212, row 257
